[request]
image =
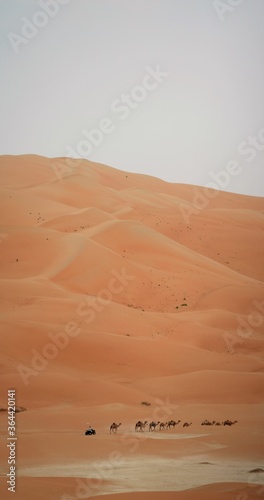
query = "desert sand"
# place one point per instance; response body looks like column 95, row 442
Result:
column 118, row 290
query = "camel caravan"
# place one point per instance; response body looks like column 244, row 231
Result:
column 162, row 426
column 171, row 424
column 226, row 422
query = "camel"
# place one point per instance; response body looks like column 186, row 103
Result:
column 218, row 423
column 113, row 427
column 153, row 425
column 163, row 426
column 229, row 422
column 186, row 424
column 172, row 423
column 140, row 425
column 207, row 422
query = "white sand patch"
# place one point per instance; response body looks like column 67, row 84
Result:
column 163, row 435
column 148, row 473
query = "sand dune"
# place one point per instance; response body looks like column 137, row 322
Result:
column 120, row 301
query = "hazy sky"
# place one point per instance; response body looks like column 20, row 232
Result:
column 171, row 88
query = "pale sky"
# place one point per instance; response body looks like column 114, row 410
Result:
column 174, row 88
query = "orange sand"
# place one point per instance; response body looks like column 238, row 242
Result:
column 112, row 296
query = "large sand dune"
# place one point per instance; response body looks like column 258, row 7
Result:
column 116, row 291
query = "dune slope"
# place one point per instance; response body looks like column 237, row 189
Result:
column 121, row 301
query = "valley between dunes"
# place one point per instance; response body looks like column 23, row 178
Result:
column 117, row 291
